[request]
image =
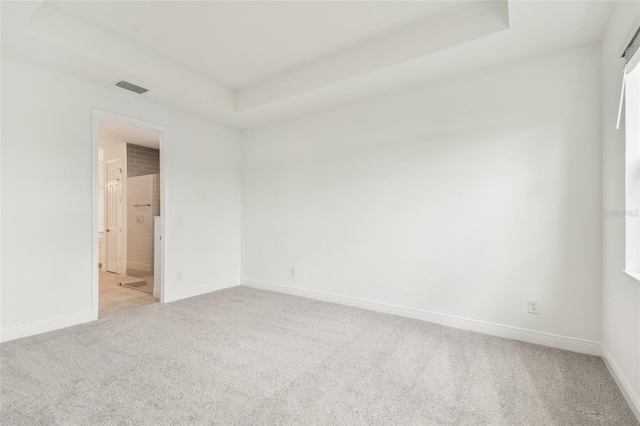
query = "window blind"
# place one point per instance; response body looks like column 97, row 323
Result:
column 629, row 54
column 631, row 59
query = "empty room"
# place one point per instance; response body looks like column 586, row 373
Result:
column 320, row 212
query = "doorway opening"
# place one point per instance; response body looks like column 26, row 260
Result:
column 129, row 214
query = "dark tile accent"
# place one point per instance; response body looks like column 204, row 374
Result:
column 142, row 160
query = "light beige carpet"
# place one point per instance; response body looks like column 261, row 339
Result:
column 250, row 357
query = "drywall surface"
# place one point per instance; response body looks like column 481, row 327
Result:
column 620, row 293
column 466, row 197
column 47, row 196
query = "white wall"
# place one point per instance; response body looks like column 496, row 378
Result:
column 47, row 197
column 620, row 293
column 466, row 197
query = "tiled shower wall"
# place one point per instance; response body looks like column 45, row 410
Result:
column 142, row 161
column 143, row 187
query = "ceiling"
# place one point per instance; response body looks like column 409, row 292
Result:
column 249, row 63
column 237, row 43
column 113, row 132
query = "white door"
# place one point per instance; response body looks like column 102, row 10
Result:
column 114, row 214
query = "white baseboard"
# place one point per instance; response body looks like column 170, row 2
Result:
column 44, row 326
column 540, row 338
column 156, row 292
column 68, row 321
column 196, row 291
column 629, row 395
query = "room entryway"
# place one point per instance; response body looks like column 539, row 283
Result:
column 129, row 219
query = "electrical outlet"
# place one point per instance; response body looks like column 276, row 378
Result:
column 179, row 276
column 533, row 307
column 293, row 272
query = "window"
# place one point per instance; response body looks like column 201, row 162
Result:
column 632, row 168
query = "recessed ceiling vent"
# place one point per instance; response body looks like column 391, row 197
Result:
column 132, row 87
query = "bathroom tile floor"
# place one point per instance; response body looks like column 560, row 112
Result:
column 114, row 298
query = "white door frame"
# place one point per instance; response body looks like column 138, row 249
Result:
column 97, row 114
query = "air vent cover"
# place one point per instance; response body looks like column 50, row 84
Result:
column 132, row 87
